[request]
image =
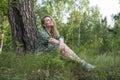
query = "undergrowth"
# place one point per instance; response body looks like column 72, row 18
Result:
column 51, row 66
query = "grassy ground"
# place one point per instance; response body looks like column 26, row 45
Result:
column 53, row 67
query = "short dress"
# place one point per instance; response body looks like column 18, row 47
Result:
column 43, row 44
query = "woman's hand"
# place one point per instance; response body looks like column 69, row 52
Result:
column 52, row 40
column 60, row 42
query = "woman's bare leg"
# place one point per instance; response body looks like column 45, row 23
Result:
column 71, row 54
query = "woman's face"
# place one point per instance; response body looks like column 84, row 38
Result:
column 48, row 22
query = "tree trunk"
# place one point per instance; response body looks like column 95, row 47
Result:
column 30, row 29
column 1, row 42
column 17, row 29
column 23, row 24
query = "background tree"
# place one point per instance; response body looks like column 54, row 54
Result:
column 81, row 25
column 4, row 27
column 115, row 33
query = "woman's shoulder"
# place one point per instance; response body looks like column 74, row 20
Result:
column 41, row 30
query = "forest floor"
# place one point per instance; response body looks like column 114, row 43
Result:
column 54, row 67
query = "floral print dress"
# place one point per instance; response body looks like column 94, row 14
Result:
column 43, row 44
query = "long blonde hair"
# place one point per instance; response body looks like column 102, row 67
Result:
column 54, row 31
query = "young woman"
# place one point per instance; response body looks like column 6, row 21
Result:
column 49, row 40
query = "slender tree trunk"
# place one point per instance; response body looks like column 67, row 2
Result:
column 1, row 43
column 23, row 24
column 79, row 36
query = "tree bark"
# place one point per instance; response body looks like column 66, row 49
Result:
column 23, row 24
column 17, row 29
column 30, row 30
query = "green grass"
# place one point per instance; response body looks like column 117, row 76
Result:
column 50, row 66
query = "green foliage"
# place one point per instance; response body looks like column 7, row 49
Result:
column 84, row 31
column 4, row 26
column 3, row 8
column 80, row 24
column 50, row 66
column 19, row 44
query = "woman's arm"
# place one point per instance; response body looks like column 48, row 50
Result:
column 53, row 40
column 60, row 42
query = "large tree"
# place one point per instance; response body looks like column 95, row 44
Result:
column 22, row 20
